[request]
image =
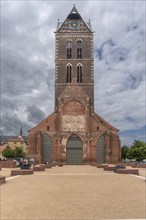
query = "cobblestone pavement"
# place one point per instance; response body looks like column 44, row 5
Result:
column 73, row 193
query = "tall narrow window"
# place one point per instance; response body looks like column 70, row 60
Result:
column 79, row 73
column 69, row 48
column 79, row 49
column 69, row 73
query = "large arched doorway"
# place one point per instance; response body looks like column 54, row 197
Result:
column 100, row 149
column 74, row 150
column 46, row 149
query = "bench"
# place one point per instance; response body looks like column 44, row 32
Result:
column 109, row 168
column 128, row 171
column 2, row 180
column 46, row 166
column 21, row 172
column 37, row 169
column 139, row 165
column 101, row 165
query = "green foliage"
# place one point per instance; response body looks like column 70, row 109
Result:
column 138, row 144
column 10, row 153
column 124, row 151
column 19, row 152
column 137, row 151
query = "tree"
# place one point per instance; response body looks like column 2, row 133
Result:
column 19, row 152
column 138, row 144
column 8, row 152
column 137, row 151
column 124, row 151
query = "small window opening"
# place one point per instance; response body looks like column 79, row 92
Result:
column 69, row 48
column 79, row 73
column 79, row 49
column 79, row 52
column 69, row 74
column 48, row 128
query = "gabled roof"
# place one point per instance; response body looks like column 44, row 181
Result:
column 8, row 138
column 17, row 139
column 74, row 15
column 104, row 123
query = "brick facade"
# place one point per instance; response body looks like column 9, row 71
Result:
column 74, row 104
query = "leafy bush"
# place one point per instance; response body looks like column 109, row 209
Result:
column 137, row 151
column 8, row 152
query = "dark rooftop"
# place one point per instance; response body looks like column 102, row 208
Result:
column 74, row 14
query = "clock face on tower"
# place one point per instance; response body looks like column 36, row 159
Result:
column 74, row 24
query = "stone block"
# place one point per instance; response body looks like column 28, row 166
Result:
column 7, row 164
column 139, row 165
column 2, row 180
column 102, row 165
column 38, row 169
column 109, row 168
column 21, row 172
column 128, row 171
column 46, row 166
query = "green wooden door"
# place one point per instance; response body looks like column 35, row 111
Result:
column 74, row 150
column 46, row 149
column 100, row 149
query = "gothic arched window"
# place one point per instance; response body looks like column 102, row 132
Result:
column 69, row 48
column 79, row 73
column 69, row 73
column 79, row 48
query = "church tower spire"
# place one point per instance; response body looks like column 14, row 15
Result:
column 74, row 57
column 74, row 133
column 74, row 22
column 20, row 134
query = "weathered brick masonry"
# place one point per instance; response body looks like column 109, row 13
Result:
column 74, row 133
column 7, row 164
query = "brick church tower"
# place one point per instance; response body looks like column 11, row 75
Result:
column 74, row 133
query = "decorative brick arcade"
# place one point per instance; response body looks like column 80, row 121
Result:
column 74, row 133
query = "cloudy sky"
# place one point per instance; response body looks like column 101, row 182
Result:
column 28, row 53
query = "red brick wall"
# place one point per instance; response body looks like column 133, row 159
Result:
column 7, row 164
column 73, row 108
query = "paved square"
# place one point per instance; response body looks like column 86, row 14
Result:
column 73, row 193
